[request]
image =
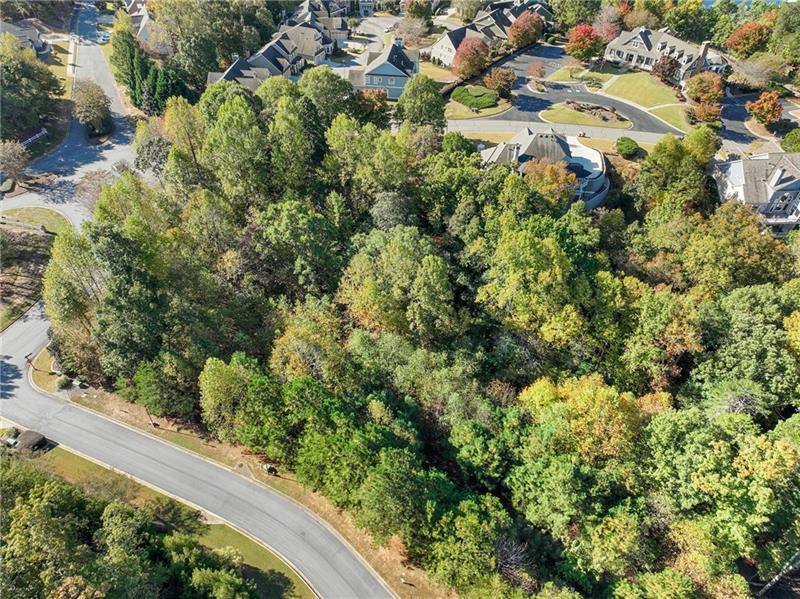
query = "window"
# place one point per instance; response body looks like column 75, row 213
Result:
column 635, row 43
column 782, row 203
column 391, row 80
column 377, row 79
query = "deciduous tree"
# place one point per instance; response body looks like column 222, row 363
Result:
column 90, row 104
column 767, row 109
column 584, row 43
column 525, row 30
column 470, row 58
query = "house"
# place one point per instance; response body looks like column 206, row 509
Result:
column 279, row 56
column 366, row 8
column 491, row 27
column 145, row 28
column 312, row 44
column 444, row 50
column 642, row 48
column 494, row 25
column 769, row 183
column 325, row 15
column 28, row 37
column 589, row 165
column 389, row 70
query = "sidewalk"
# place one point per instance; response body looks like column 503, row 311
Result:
column 501, row 126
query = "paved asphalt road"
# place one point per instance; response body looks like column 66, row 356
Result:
column 76, row 156
column 529, row 104
column 330, row 566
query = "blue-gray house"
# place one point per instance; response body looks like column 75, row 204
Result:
column 389, row 70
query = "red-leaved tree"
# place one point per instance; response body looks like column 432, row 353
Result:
column 748, row 39
column 767, row 109
column 584, row 43
column 525, row 30
column 470, row 57
column 705, row 87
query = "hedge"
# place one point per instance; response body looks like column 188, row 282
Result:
column 791, row 141
column 475, row 96
column 627, row 147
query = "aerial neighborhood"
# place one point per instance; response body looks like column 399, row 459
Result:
column 368, row 299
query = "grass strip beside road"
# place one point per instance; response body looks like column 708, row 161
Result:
column 388, row 561
column 38, row 217
column 457, row 111
column 560, row 113
column 675, row 115
column 271, row 575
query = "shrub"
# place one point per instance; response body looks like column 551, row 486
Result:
column 791, row 143
column 64, row 382
column 475, row 96
column 627, row 147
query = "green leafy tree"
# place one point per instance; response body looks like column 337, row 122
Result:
column 236, row 150
column 421, row 103
column 223, row 387
column 570, row 13
column 329, row 93
column 28, row 89
column 91, row 106
column 291, row 149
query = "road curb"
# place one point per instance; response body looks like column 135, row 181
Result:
column 176, row 498
column 217, row 464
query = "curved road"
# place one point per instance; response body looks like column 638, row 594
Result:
column 330, row 566
column 529, row 103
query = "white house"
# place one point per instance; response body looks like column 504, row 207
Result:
column 642, row 48
column 444, row 50
column 769, row 183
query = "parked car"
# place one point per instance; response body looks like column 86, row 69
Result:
column 103, row 36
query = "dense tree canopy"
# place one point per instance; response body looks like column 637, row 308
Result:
column 526, row 397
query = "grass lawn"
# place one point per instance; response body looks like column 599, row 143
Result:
column 271, row 575
column 608, row 146
column 38, row 217
column 605, row 72
column 641, row 88
column 559, row 113
column 488, row 139
column 56, row 61
column 43, row 374
column 264, row 568
column 563, row 74
column 456, row 111
column 675, row 116
column 435, row 72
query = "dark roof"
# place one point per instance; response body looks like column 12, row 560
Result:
column 396, row 55
column 548, row 146
column 30, row 440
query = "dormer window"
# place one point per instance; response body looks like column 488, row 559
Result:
column 635, row 43
column 661, row 46
column 782, row 203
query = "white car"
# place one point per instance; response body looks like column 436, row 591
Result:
column 103, row 36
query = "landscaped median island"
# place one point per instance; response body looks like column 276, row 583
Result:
column 578, row 113
column 472, row 101
column 193, row 542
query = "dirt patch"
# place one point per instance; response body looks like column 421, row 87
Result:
column 25, row 252
column 390, row 561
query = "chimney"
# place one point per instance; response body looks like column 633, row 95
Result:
column 398, row 41
column 234, row 57
column 776, row 177
column 703, row 51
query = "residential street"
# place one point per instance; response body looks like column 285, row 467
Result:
column 330, row 566
column 328, row 563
